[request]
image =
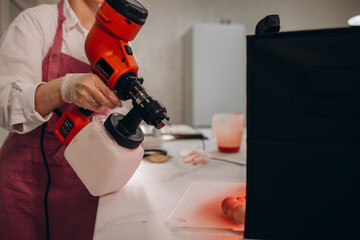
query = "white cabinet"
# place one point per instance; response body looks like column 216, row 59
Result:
column 215, row 72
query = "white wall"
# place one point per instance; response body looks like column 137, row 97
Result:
column 46, row 1
column 9, row 9
column 159, row 46
column 3, row 21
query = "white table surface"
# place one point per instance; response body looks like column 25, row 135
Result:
column 140, row 209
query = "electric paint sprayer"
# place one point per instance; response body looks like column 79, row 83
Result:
column 103, row 163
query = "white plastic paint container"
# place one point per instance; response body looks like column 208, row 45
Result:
column 99, row 161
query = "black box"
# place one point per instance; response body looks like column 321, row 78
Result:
column 303, row 135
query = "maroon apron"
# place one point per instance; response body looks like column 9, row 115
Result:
column 23, row 176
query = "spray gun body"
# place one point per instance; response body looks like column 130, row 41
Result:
column 103, row 163
column 112, row 59
column 107, row 47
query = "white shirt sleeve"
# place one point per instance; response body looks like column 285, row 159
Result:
column 22, row 49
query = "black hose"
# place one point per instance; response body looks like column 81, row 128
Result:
column 48, row 182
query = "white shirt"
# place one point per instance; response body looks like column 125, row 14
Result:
column 22, row 50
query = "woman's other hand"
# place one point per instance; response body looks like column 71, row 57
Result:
column 88, row 91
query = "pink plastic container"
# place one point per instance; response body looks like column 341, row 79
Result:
column 228, row 131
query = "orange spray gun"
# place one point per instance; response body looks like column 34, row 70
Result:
column 111, row 58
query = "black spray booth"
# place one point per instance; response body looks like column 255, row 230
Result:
column 303, row 135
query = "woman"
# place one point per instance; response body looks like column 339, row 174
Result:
column 41, row 56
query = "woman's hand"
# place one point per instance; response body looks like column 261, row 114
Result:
column 88, row 91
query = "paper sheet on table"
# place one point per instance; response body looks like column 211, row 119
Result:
column 176, row 131
column 200, row 206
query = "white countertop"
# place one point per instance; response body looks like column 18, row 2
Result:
column 141, row 208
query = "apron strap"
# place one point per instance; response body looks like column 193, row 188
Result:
column 56, row 48
column 59, row 32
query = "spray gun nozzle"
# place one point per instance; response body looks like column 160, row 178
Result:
column 160, row 125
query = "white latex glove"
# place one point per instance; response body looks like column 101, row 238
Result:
column 87, row 90
column 195, row 157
